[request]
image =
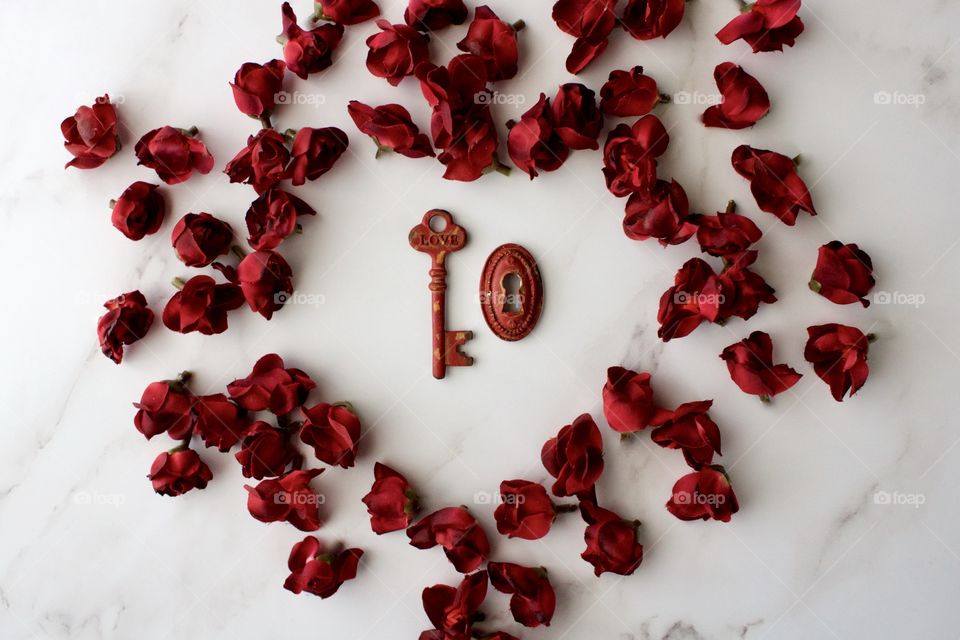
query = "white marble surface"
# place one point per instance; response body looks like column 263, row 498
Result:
column 89, row 552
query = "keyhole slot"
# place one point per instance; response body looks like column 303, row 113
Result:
column 510, row 286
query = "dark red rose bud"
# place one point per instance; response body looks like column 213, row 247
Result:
column 165, row 407
column 202, row 305
column 691, row 430
column 628, row 402
column 266, row 452
column 319, row 571
column 126, row 321
column 494, row 41
column 219, row 421
column 391, row 502
column 262, row 163
column 532, row 142
column 200, row 238
column 333, row 430
column 576, row 119
column 90, row 135
column 454, row 610
column 271, row 387
column 612, row 544
column 391, row 128
column 751, row 367
column 347, row 12
column 745, row 100
column 288, row 498
column 255, row 87
column 314, row 153
column 649, row 19
column 525, row 510
column 767, row 25
column 742, row 289
column 726, row 234
column 774, row 181
column 844, row 274
column 574, row 457
column 272, row 217
column 533, row 600
column 838, row 354
column 174, row 154
column 630, row 153
column 453, row 528
column 694, row 297
column 629, row 94
column 310, row 51
column 176, row 472
column 703, row 495
column 663, row 213
column 430, row 15
column 139, row 210
column 396, row 51
column 590, row 22
column 266, row 281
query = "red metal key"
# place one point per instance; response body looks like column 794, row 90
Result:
column 438, row 240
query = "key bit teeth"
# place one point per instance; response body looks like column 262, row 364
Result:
column 453, row 355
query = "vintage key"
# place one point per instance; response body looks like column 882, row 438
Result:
column 447, row 238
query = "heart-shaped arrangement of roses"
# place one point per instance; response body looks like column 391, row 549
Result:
column 263, row 415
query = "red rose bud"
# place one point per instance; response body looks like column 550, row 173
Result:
column 202, row 305
column 726, row 234
column 532, row 600
column 612, row 544
column 266, row 281
column 314, row 153
column 838, row 354
column 318, row 571
column 494, row 41
column 691, row 430
column 774, row 182
column 630, row 153
column 126, row 321
column 271, row 387
column 751, row 367
column 532, row 142
column 272, row 217
column 396, row 51
column 200, row 238
column 576, row 119
column 430, row 15
column 629, row 94
column 663, row 213
column 694, row 297
column 287, row 499
column 139, row 210
column 165, row 407
column 90, row 135
column 844, row 274
column 745, row 101
column 310, row 51
column 590, row 22
column 628, row 402
column 525, row 510
column 742, row 289
column 219, row 421
column 454, row 610
column 391, row 501
column 262, row 163
column 453, row 528
column 333, row 430
column 767, row 25
column 255, row 87
column 173, row 153
column 703, row 495
column 347, row 12
column 176, row 472
column 391, row 128
column 267, row 452
column 574, row 457
column 649, row 19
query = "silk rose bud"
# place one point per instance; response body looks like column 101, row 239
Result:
column 202, row 305
column 391, row 128
column 320, row 571
column 453, row 611
column 630, row 153
column 703, row 495
column 272, row 217
column 219, row 421
column 751, row 367
column 525, row 510
column 396, row 51
column 612, row 544
column 267, row 452
column 127, row 320
column 391, row 502
column 838, row 354
column 532, row 600
column 628, row 402
column 173, row 153
column 287, row 499
column 309, row 51
column 629, row 94
column 574, row 457
column 430, row 15
column 691, row 430
column 200, row 238
column 649, row 19
column 463, row 540
column 533, row 144
column 844, row 274
column 774, row 182
column 742, row 289
column 726, row 234
column 590, row 22
column 90, row 135
column 576, row 119
column 271, row 386
column 494, row 41
column 766, row 25
column 694, row 297
column 314, row 153
column 745, row 101
column 166, row 407
column 662, row 212
column 266, row 281
column 262, row 163
column 333, row 430
column 255, row 87
column 346, row 12
column 176, row 472
column 139, row 210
